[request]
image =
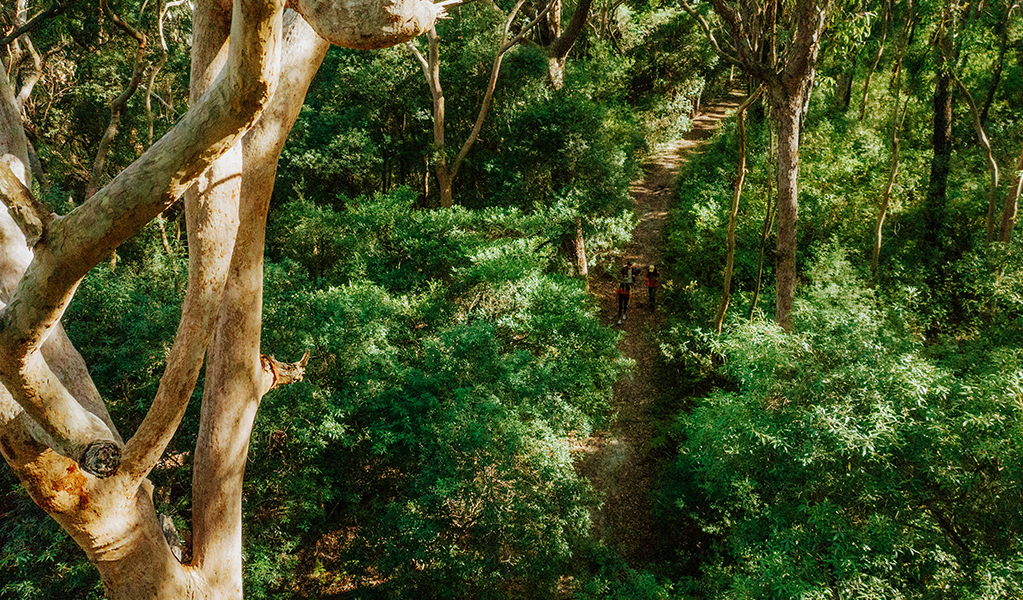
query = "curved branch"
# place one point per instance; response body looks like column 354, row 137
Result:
column 53, row 10
column 562, row 45
column 740, row 116
column 985, row 144
column 506, row 45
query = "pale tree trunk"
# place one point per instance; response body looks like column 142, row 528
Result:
column 992, row 164
column 573, row 246
column 726, row 288
column 234, row 377
column 51, row 416
column 48, row 417
column 430, row 64
column 13, row 144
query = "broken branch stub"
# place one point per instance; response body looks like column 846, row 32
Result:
column 277, row 373
column 369, row 24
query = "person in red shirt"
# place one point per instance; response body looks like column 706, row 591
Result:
column 653, row 281
column 624, row 293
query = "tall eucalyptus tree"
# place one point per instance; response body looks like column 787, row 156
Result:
column 777, row 43
column 252, row 63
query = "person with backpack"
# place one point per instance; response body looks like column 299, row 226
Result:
column 653, row 281
column 629, row 273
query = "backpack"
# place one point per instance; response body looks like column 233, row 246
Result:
column 628, row 275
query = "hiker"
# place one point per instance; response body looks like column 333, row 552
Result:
column 653, row 281
column 624, row 292
column 629, row 273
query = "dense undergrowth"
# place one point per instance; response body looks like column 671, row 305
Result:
column 873, row 452
column 426, row 453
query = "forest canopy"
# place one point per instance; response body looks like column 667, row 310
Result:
column 830, row 381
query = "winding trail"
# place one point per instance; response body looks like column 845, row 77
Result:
column 617, row 461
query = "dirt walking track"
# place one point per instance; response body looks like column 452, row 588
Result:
column 616, row 461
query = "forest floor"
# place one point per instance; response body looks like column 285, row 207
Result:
column 617, row 461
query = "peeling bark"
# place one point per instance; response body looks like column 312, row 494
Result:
column 370, row 24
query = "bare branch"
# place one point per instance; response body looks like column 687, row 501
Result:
column 53, row 10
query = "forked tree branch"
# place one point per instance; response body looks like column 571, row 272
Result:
column 506, row 45
column 707, row 31
column 79, row 241
column 53, row 10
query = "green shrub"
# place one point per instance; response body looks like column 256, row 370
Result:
column 842, row 459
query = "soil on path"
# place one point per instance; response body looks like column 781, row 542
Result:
column 617, row 461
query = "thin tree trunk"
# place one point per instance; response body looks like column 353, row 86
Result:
column 893, row 171
column 431, row 69
column 877, row 58
column 573, row 246
column 765, row 230
column 1011, row 209
column 13, row 143
column 843, row 95
column 740, row 116
column 897, row 121
column 996, row 75
column 117, row 106
column 992, row 164
column 941, row 142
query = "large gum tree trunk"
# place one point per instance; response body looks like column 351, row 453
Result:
column 234, row 378
column 109, row 512
column 51, row 415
